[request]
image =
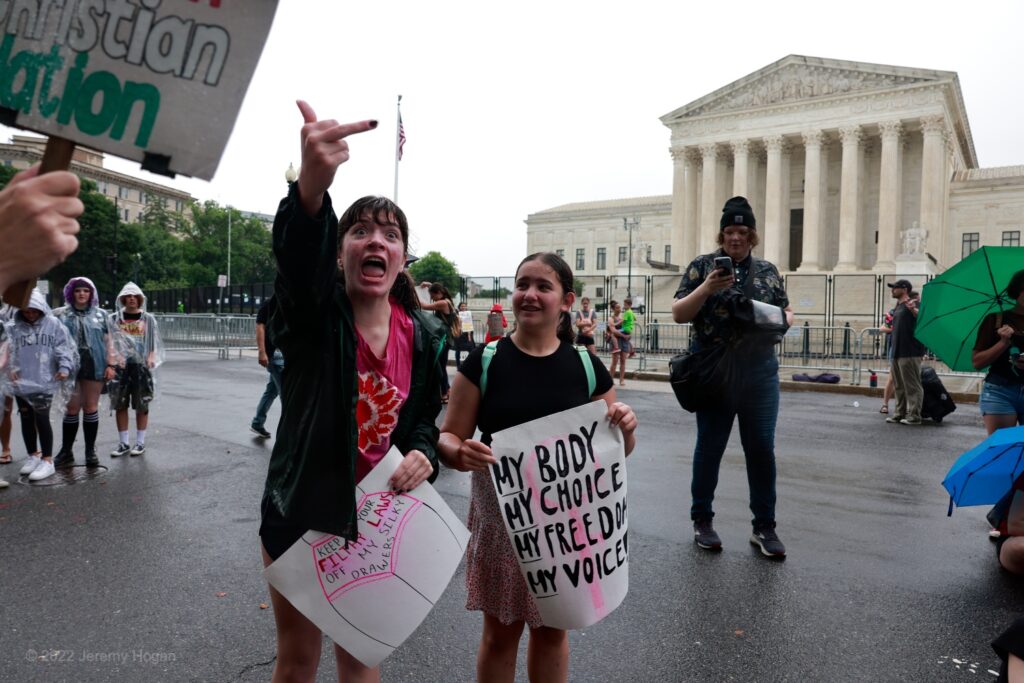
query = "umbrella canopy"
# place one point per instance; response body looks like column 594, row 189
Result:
column 984, row 474
column 955, row 302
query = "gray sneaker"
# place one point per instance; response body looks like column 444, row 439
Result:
column 122, row 449
column 765, row 538
column 704, row 535
column 137, row 449
column 910, row 421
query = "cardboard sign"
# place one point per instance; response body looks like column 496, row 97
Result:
column 370, row 595
column 467, row 320
column 561, row 487
column 157, row 82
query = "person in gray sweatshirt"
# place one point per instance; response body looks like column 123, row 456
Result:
column 40, row 358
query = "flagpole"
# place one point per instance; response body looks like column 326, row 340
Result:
column 398, row 140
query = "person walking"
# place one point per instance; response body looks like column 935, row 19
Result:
column 702, row 298
column 907, row 354
column 88, row 325
column 271, row 358
column 443, row 307
column 139, row 351
column 6, row 401
column 534, row 372
column 40, row 359
column 362, row 373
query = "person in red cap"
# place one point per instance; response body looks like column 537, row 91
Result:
column 496, row 324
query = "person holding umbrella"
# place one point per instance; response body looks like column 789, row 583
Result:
column 998, row 348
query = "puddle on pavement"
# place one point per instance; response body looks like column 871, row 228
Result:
column 67, row 475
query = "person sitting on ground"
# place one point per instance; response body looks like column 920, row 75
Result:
column 41, row 357
column 139, row 351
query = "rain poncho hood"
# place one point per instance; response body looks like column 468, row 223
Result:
column 75, row 282
column 37, row 351
column 130, row 288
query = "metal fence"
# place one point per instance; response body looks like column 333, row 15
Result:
column 223, row 334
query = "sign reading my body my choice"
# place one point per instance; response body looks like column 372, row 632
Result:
column 561, row 487
column 158, row 81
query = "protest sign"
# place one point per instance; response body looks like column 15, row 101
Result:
column 369, row 595
column 160, row 83
column 561, row 487
column 466, row 317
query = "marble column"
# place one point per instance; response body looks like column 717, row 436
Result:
column 849, row 199
column 691, row 224
column 773, row 224
column 813, row 183
column 933, row 178
column 890, row 201
column 710, row 208
column 741, row 168
column 678, row 237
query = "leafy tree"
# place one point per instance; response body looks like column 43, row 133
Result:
column 432, row 267
column 577, row 286
column 205, row 245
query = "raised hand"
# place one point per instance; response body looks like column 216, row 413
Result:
column 324, row 149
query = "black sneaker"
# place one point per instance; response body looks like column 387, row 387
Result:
column 704, row 535
column 261, row 431
column 65, row 458
column 768, row 541
column 137, row 449
column 122, row 449
column 91, row 459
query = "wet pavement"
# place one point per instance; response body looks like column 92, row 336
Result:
column 150, row 570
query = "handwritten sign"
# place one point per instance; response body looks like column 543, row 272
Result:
column 369, row 595
column 156, row 82
column 561, row 487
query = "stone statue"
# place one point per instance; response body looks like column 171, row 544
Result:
column 914, row 240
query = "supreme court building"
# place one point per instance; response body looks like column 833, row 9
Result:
column 850, row 167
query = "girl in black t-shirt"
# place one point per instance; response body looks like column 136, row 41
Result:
column 998, row 347
column 535, row 372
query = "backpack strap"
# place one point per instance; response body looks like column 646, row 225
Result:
column 489, row 350
column 492, row 347
column 588, row 367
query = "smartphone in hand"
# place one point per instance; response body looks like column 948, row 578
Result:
column 724, row 263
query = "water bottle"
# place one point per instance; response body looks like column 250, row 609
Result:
column 873, row 379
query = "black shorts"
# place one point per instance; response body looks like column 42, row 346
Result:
column 86, row 366
column 276, row 533
column 584, row 340
column 134, row 387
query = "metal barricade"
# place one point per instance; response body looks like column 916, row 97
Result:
column 873, row 354
column 207, row 333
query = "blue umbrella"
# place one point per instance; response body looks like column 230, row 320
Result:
column 984, row 474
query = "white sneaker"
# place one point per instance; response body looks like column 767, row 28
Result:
column 45, row 469
column 3, row 484
column 30, row 465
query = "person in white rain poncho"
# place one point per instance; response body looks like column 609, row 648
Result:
column 36, row 362
column 89, row 328
column 137, row 352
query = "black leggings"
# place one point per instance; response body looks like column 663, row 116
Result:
column 35, row 421
column 442, row 369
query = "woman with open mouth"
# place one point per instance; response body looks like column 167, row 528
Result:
column 360, row 372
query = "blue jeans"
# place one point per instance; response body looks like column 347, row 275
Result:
column 274, row 368
column 757, row 390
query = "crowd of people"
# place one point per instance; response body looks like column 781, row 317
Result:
column 66, row 358
column 360, row 362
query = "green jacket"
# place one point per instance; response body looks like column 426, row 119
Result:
column 311, row 478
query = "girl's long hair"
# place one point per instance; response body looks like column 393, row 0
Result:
column 383, row 211
column 564, row 274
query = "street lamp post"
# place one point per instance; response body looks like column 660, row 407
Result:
column 628, row 226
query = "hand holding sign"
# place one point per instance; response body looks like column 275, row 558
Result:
column 324, row 149
column 37, row 223
column 414, row 470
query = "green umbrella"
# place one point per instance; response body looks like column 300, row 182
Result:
column 954, row 303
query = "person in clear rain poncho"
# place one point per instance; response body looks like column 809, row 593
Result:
column 36, row 362
column 89, row 328
column 138, row 351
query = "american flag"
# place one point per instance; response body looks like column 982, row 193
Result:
column 401, row 136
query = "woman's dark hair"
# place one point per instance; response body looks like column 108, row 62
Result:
column 751, row 235
column 564, row 274
column 438, row 288
column 383, row 211
column 1016, row 285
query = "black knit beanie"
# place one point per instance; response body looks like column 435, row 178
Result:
column 737, row 211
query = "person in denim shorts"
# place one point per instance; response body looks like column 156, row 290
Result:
column 998, row 347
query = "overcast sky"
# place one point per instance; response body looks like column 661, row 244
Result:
column 513, row 108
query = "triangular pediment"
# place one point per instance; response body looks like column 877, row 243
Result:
column 795, row 78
